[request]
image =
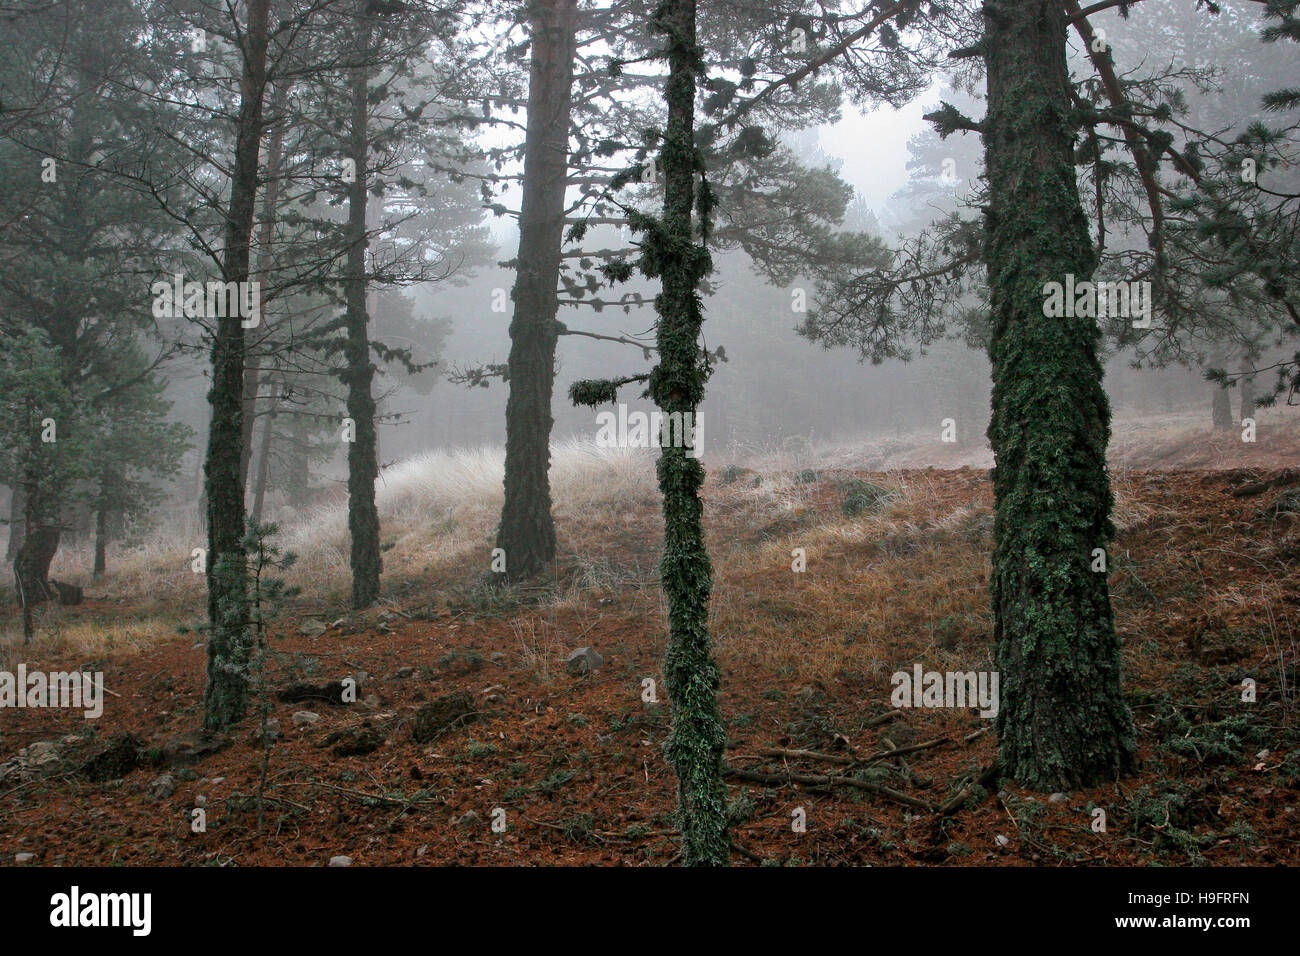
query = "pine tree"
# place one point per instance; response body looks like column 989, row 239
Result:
column 36, row 457
column 675, row 250
column 363, row 468
column 225, row 699
column 698, row 738
column 527, row 532
column 1062, row 722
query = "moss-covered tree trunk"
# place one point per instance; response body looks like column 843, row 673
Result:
column 229, row 642
column 697, row 738
column 527, row 531
column 363, row 464
column 1062, row 721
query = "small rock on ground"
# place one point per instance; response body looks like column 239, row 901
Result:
column 583, row 660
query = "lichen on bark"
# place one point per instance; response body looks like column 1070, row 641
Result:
column 1062, row 721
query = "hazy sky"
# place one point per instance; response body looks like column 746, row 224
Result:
column 873, row 148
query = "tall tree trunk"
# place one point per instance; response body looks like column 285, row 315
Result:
column 16, row 512
column 697, row 738
column 101, row 541
column 225, row 699
column 32, row 563
column 23, row 571
column 109, row 492
column 527, row 530
column 1062, row 721
column 253, row 374
column 1221, row 402
column 263, row 463
column 298, row 478
column 1247, row 390
column 252, row 385
column 363, row 467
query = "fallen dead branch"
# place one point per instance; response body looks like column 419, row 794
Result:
column 1288, row 476
column 852, row 761
column 827, row 780
column 987, row 775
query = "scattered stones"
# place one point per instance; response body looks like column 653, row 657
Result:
column 24, row 857
column 185, row 749
column 162, row 787
column 1060, row 799
column 331, row 693
column 313, row 628
column 583, row 660
column 441, row 714
column 113, row 759
column 340, row 861
column 305, row 718
column 470, row 819
column 1002, row 841
column 354, row 741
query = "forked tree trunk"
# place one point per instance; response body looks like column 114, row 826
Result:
column 1062, row 721
column 230, row 646
column 527, row 530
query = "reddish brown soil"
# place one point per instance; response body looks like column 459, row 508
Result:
column 1206, row 592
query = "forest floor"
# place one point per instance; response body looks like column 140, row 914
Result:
column 1206, row 589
